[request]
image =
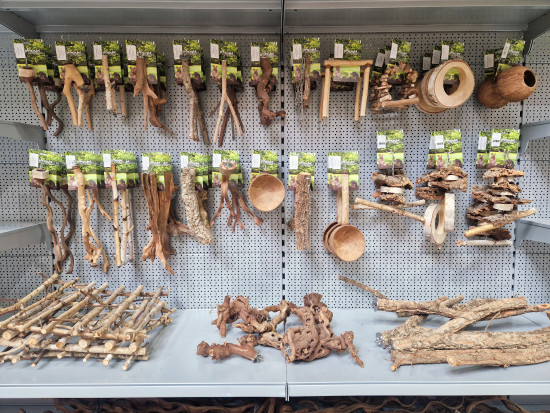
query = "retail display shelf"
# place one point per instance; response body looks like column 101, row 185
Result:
column 18, row 234
column 537, row 229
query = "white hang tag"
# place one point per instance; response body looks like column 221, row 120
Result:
column 178, row 49
column 426, row 63
column 214, row 51
column 505, row 51
column 60, row 52
column 381, row 141
column 70, row 161
column 393, row 52
column 439, row 141
column 489, row 61
column 216, row 160
column 131, row 53
column 293, row 162
column 495, row 139
column 297, row 51
column 338, row 51
column 436, row 57
column 256, row 158
column 482, row 143
column 379, row 59
column 255, row 53
column 106, row 160
column 445, row 52
column 184, row 161
column 19, row 50
column 33, row 159
column 98, row 51
column 145, row 163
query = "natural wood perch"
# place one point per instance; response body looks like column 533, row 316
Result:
column 194, row 208
column 27, row 75
column 196, row 115
column 223, row 100
column 300, row 219
column 50, row 107
column 110, row 88
column 72, row 75
column 263, row 88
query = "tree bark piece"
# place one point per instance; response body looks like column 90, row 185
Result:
column 225, row 99
column 500, row 357
column 73, row 75
column 300, row 220
column 499, row 221
column 197, row 115
column 190, row 198
column 263, row 88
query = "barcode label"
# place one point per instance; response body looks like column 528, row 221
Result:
column 379, row 59
column 106, row 160
column 256, row 157
column 19, row 50
column 381, row 141
column 495, row 139
column 297, row 51
column 489, row 61
column 505, row 51
column 432, row 142
column 216, row 160
column 178, row 49
column 214, row 51
column 98, row 51
column 482, row 143
column 145, row 163
column 338, row 51
column 184, row 160
column 445, row 52
column 293, row 162
column 70, row 161
column 337, row 162
column 426, row 63
column 60, row 52
column 33, row 160
column 439, row 142
column 255, row 53
column 393, row 52
column 436, row 57
column 131, row 52
column 386, row 56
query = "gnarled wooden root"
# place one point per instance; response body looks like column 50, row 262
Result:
column 193, row 209
column 263, row 88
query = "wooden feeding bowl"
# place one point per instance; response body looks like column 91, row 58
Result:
column 266, row 192
column 339, row 238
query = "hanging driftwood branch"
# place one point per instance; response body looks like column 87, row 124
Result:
column 72, row 75
column 263, row 88
column 196, row 115
column 229, row 97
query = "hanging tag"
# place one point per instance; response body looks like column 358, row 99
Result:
column 432, row 142
column 184, row 161
column 216, row 160
column 445, row 52
column 255, row 53
column 106, row 160
column 70, row 161
column 381, row 141
column 98, row 51
column 256, row 159
column 297, row 51
column 145, row 163
column 489, row 61
column 426, row 63
column 293, row 162
column 338, row 51
column 33, row 159
column 214, row 51
column 337, row 162
column 19, row 50
column 379, row 59
column 393, row 52
column 178, row 49
column 131, row 53
column 60, row 52
column 505, row 51
column 436, row 57
column 495, row 139
column 482, row 143
column 439, row 142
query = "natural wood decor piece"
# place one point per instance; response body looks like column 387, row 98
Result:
column 263, row 88
column 197, row 215
column 340, row 238
column 360, row 97
column 50, row 107
column 496, row 206
column 437, row 94
column 85, row 209
column 228, row 96
column 27, row 75
column 82, row 321
column 266, row 192
column 391, row 187
column 512, row 85
column 300, row 220
column 196, row 114
column 110, row 87
column 452, row 343
column 313, row 340
column 60, row 248
column 237, row 203
column 401, row 75
column 73, row 78
column 152, row 103
column 303, row 85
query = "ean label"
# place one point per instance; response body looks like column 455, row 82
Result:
column 70, row 161
column 293, row 162
column 495, row 139
column 216, row 160
column 177, row 48
column 98, row 52
column 482, row 143
column 184, row 160
column 214, row 51
column 379, row 59
column 426, row 63
column 381, row 141
column 33, row 160
column 131, row 52
column 60, row 52
column 297, row 51
column 106, row 160
column 393, row 52
column 489, row 61
column 255, row 53
column 19, row 50
column 256, row 157
column 439, row 142
column 145, row 163
column 445, row 52
column 338, row 51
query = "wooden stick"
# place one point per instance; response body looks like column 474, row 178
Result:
column 488, row 227
column 347, row 63
column 35, row 107
column 401, row 206
column 20, row 304
column 357, row 99
column 73, row 75
column 107, row 82
column 114, row 191
column 343, row 198
column 326, row 92
column 484, row 243
column 399, row 103
column 365, row 94
column 113, row 315
column 123, row 111
column 388, row 208
column 321, row 99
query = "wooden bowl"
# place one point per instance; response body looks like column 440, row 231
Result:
column 326, row 234
column 347, row 243
column 516, row 84
column 487, row 95
column 266, row 192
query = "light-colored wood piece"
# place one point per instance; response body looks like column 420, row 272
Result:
column 488, row 227
column 388, row 208
column 484, row 243
column 449, row 213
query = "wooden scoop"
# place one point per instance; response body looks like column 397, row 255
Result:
column 266, row 192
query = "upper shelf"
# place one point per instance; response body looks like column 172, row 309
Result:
column 264, row 16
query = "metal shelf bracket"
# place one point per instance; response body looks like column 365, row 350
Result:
column 535, row 28
column 531, row 132
column 532, row 230
column 24, row 132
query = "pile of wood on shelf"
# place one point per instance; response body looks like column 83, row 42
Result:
column 496, row 205
column 82, row 321
column 313, row 340
column 390, row 188
column 401, row 75
column 411, row 343
column 440, row 182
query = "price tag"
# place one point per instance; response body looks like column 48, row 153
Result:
column 145, row 163
column 393, row 52
column 33, row 159
column 255, row 53
column 60, row 52
column 256, row 158
column 386, row 57
column 482, row 143
column 178, row 49
column 445, row 52
column 70, row 161
column 19, row 50
column 338, row 51
column 106, row 160
column 439, row 142
column 293, row 162
column 379, row 59
column 381, row 141
column 98, row 51
column 214, row 51
column 337, row 162
column 184, row 160
column 436, row 57
column 489, row 61
column 131, row 52
column 495, row 139
column 426, row 63
column 216, row 160
column 297, row 51
column 505, row 51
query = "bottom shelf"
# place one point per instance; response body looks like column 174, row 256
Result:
column 174, row 370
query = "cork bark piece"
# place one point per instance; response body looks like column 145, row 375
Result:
column 398, row 180
column 430, row 193
column 502, row 172
column 441, row 173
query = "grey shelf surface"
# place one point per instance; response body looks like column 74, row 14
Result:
column 338, row 375
column 537, row 229
column 533, row 131
column 18, row 234
column 174, row 370
column 21, row 131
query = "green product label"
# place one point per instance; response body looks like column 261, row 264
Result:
column 511, row 54
column 264, row 161
column 436, row 150
column 300, row 48
column 201, row 163
column 146, row 49
column 189, row 49
column 339, row 163
column 51, row 162
column 221, row 50
column 390, row 152
column 156, row 163
column 126, row 168
column 347, row 49
column 489, row 63
column 113, row 50
column 35, row 54
column 445, row 149
column 268, row 50
column 91, row 166
column 300, row 162
column 73, row 52
column 399, row 52
column 219, row 156
column 504, row 146
column 483, row 149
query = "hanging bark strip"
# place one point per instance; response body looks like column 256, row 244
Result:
column 196, row 115
column 93, row 251
column 223, row 100
column 263, row 88
column 300, row 219
column 194, row 207
column 237, row 203
column 72, row 75
column 151, row 102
